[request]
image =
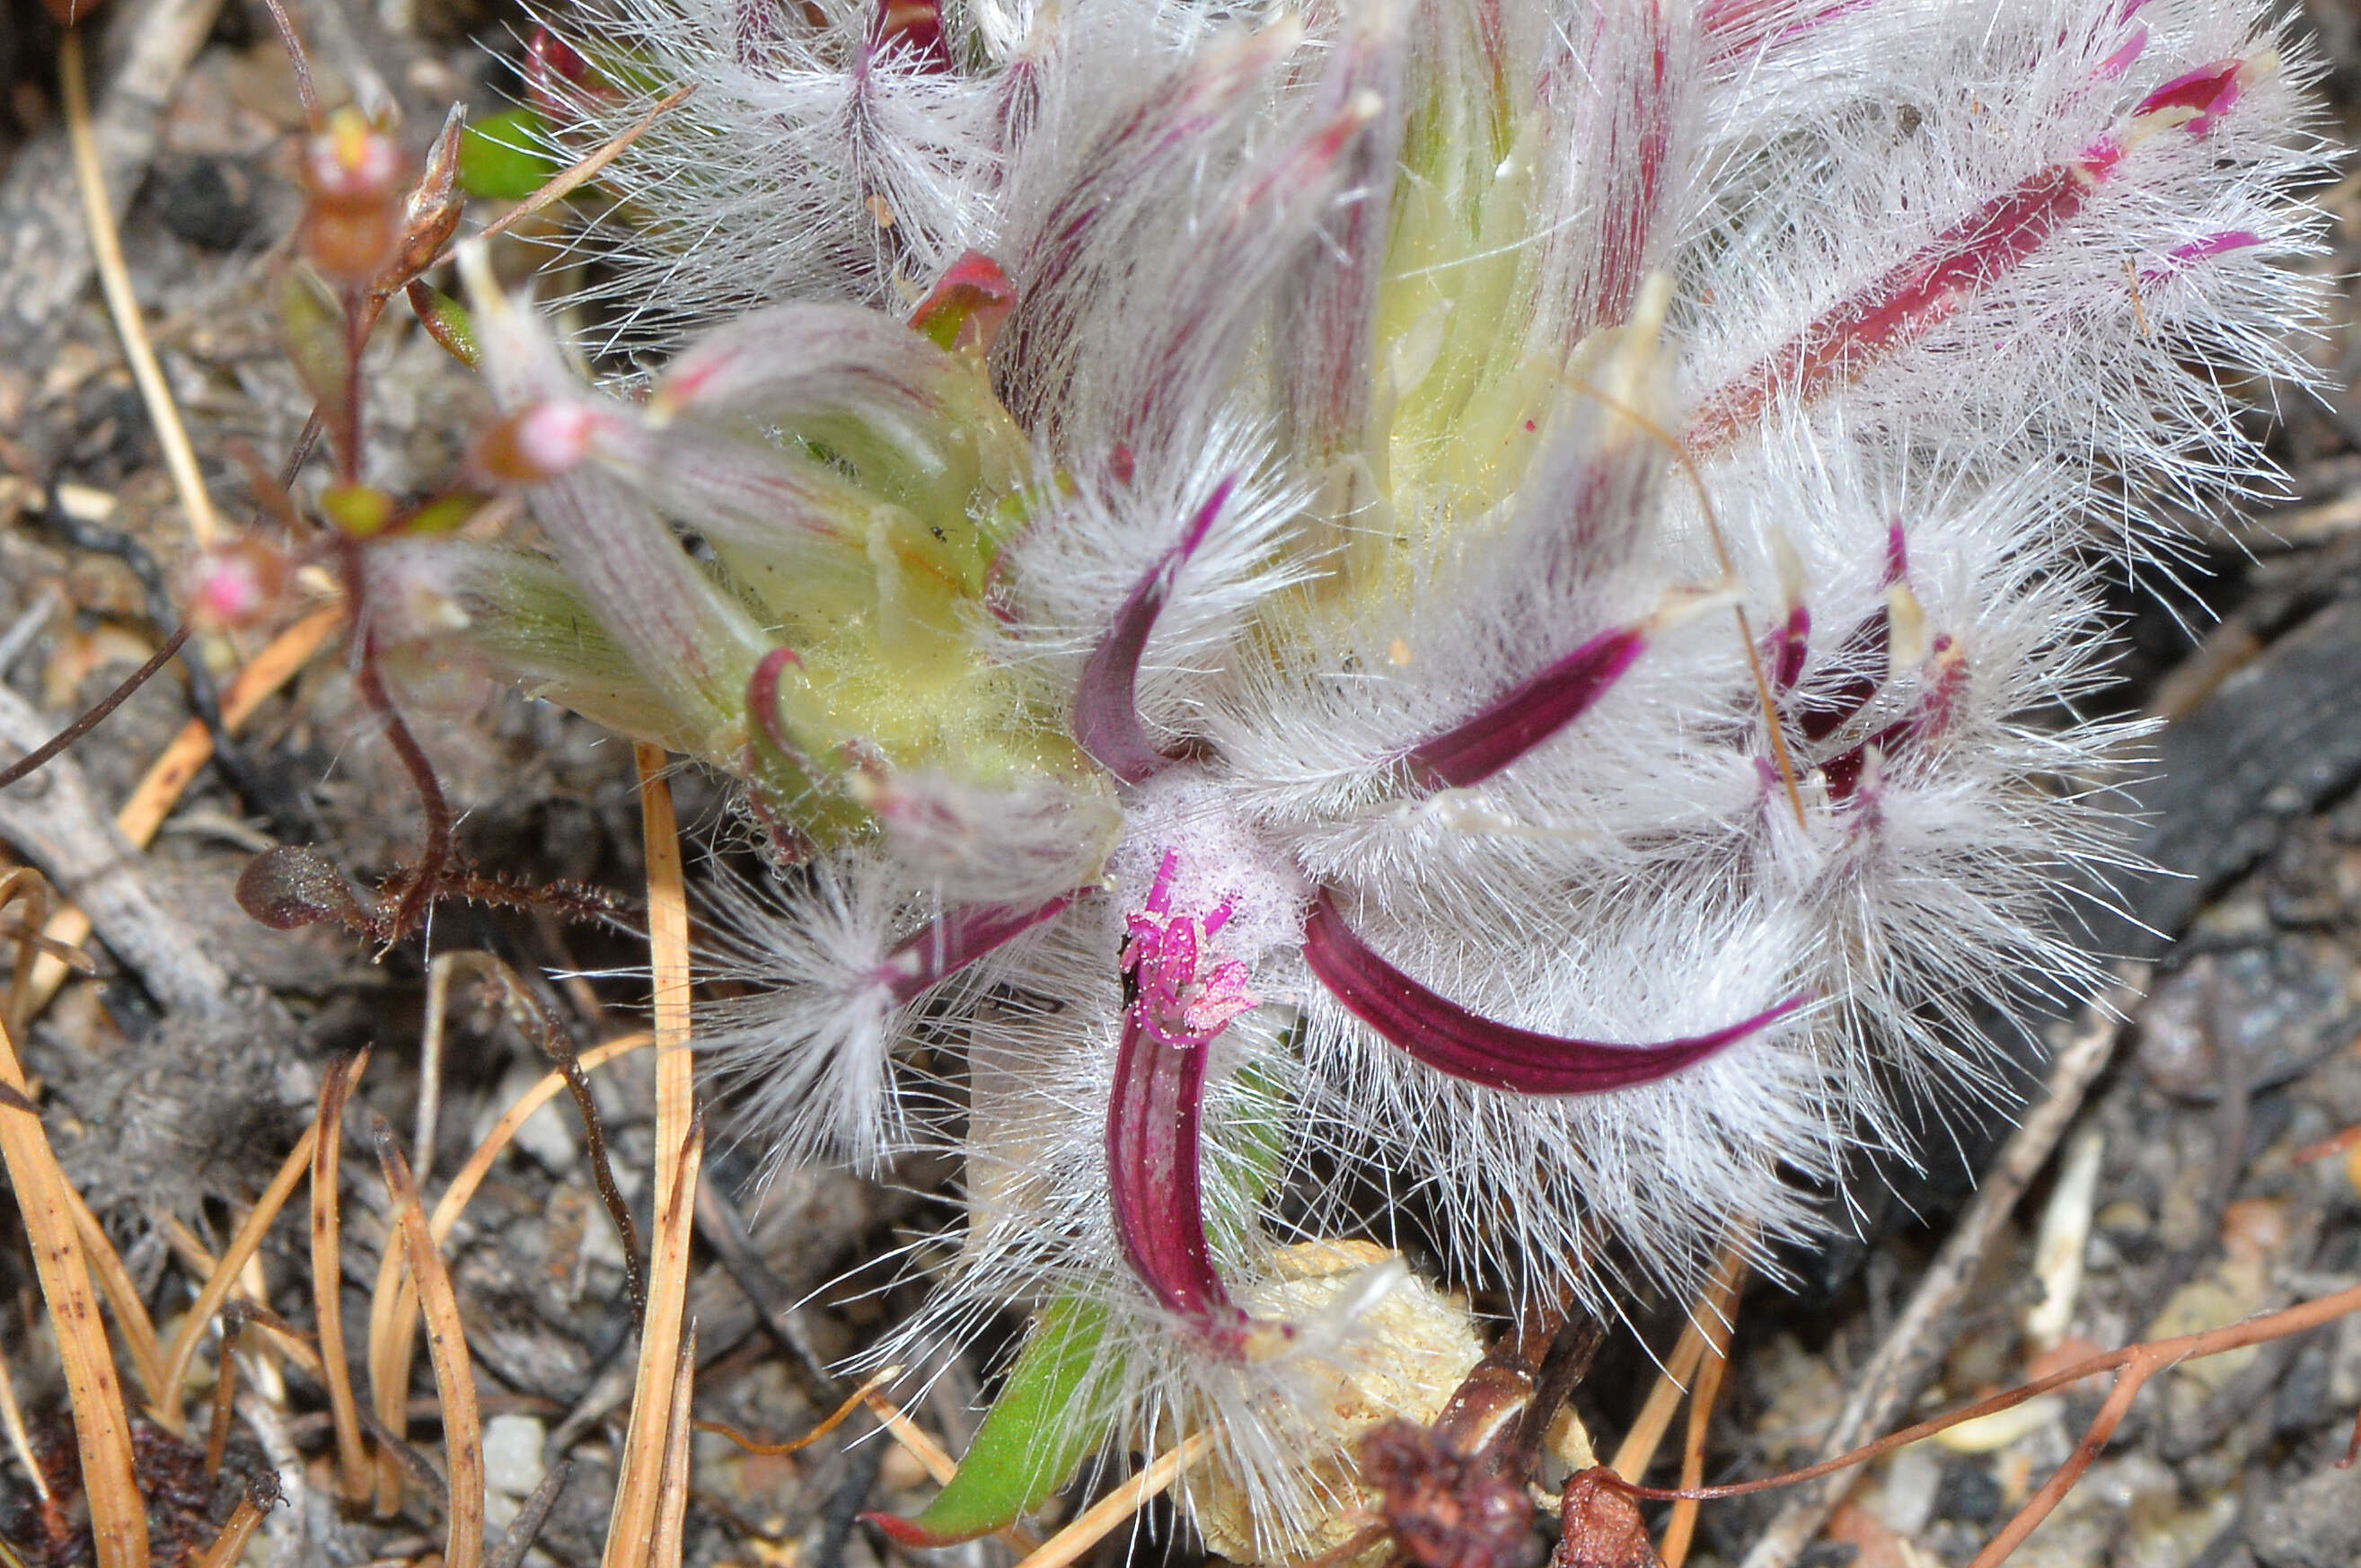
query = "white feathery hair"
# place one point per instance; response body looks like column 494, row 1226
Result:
column 1809, row 359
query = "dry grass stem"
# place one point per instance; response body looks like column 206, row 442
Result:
column 1102, row 1518
column 230, row 1544
column 836, row 1419
column 159, row 789
column 114, row 281
column 1718, row 1315
column 671, row 1498
column 446, row 1350
column 353, row 1474
column 1638, row 1450
column 393, row 1305
column 638, row 1481
column 12, row 1419
column 118, row 1520
column 217, row 1287
column 131, row 1319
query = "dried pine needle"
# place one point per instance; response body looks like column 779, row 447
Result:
column 1104, row 1517
column 447, row 1349
column 672, row 1500
column 637, row 1483
column 230, row 1544
column 102, row 1428
column 115, row 282
column 217, row 1285
column 393, row 1304
column 1638, row 1450
column 668, row 956
column 131, row 1319
column 679, row 1152
column 225, row 1395
column 353, row 1476
column 1718, row 1312
column 908, row 1433
column 12, row 1418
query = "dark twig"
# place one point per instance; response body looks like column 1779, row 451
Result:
column 847, row 1503
column 422, row 1469
column 562, row 1055
column 95, row 715
column 724, row 1230
column 1922, row 1336
column 530, row 1518
column 290, row 817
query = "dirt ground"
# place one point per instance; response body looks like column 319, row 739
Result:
column 2192, row 1185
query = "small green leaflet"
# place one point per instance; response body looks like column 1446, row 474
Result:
column 1050, row 1415
column 507, row 157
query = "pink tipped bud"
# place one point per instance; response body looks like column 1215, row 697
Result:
column 237, row 584
column 541, row 442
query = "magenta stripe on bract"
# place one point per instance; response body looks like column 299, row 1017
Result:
column 1459, row 1044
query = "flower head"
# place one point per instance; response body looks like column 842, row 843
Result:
column 1491, row 589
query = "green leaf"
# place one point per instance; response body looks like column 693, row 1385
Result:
column 446, row 321
column 363, row 511
column 506, row 157
column 1050, row 1415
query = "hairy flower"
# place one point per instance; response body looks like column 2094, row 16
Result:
column 1484, row 591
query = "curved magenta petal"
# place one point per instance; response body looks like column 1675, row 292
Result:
column 1154, row 1119
column 1106, row 702
column 1457, row 1043
column 1531, row 713
column 957, row 939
